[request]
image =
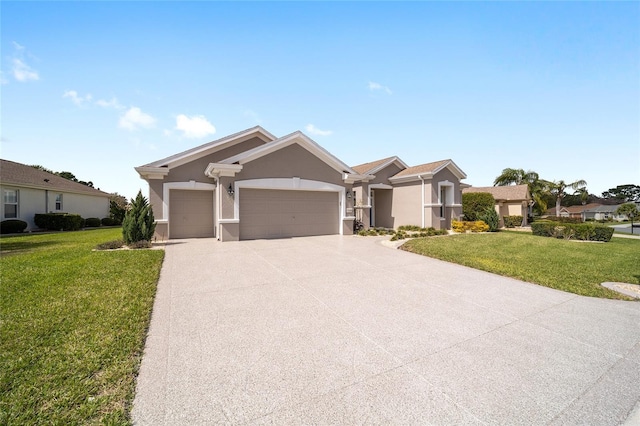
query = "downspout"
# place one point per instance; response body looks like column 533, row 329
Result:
column 422, row 205
column 218, row 208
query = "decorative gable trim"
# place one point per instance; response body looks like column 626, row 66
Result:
column 214, row 146
column 300, row 139
column 393, row 160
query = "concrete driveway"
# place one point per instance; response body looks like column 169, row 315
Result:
column 343, row 330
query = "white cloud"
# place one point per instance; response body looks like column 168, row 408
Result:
column 112, row 103
column 17, row 45
column 78, row 100
column 23, row 72
column 135, row 118
column 373, row 86
column 194, row 127
column 315, row 131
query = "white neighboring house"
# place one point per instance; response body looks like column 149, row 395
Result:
column 27, row 191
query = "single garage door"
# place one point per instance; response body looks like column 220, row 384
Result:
column 266, row 213
column 191, row 214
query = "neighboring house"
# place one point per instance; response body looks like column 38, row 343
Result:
column 253, row 185
column 571, row 211
column 603, row 212
column 27, row 191
column 394, row 194
column 511, row 200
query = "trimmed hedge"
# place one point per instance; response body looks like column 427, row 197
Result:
column 59, row 221
column 512, row 221
column 12, row 226
column 562, row 219
column 475, row 226
column 568, row 231
column 92, row 222
column 476, row 203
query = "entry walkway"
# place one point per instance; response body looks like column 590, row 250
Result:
column 343, row 330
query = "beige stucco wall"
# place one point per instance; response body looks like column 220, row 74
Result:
column 407, row 202
column 162, row 231
column 32, row 201
column 382, row 176
column 382, row 205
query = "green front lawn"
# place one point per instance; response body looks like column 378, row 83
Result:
column 576, row 267
column 72, row 327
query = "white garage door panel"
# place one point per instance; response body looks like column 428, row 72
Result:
column 191, row 214
column 266, row 213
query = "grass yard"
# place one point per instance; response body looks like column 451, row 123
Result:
column 576, row 267
column 72, row 327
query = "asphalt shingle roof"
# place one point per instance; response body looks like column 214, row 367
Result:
column 23, row 175
column 364, row 168
column 422, row 168
column 509, row 192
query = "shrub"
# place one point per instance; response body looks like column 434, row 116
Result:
column 464, row 226
column 58, row 221
column 562, row 219
column 580, row 231
column 140, row 244
column 476, row 203
column 92, row 222
column 491, row 218
column 107, row 221
column 138, row 224
column 110, row 245
column 410, row 228
column 512, row 221
column 12, row 226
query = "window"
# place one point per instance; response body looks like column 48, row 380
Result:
column 443, row 200
column 58, row 202
column 10, row 203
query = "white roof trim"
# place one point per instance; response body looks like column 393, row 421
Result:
column 148, row 172
column 211, row 147
column 390, row 161
column 294, row 138
column 215, row 170
column 428, row 175
column 352, row 178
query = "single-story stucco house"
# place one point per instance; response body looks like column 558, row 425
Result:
column 603, row 212
column 254, row 185
column 511, row 200
column 571, row 211
column 395, row 194
column 27, row 191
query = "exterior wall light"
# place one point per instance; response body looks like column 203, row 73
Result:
column 230, row 190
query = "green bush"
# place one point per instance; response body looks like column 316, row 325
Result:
column 58, row 221
column 562, row 219
column 491, row 218
column 512, row 221
column 476, row 203
column 579, row 231
column 410, row 228
column 12, row 226
column 92, row 222
column 139, row 223
column 108, row 221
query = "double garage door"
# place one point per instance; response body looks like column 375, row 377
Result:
column 266, row 213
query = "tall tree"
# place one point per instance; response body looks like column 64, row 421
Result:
column 623, row 193
column 558, row 189
column 531, row 179
column 630, row 210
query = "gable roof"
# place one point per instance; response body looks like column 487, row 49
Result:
column 503, row 193
column 211, row 147
column 375, row 166
column 428, row 170
column 285, row 141
column 577, row 209
column 12, row 173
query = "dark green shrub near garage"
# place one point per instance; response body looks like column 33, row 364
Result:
column 59, row 221
column 12, row 226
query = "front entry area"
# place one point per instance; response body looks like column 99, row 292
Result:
column 191, row 214
column 267, row 213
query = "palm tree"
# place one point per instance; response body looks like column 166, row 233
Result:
column 558, row 190
column 531, row 179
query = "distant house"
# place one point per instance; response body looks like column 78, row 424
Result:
column 511, row 200
column 571, row 211
column 27, row 191
column 591, row 211
column 603, row 212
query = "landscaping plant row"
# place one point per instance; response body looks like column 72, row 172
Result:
column 56, row 222
column 578, row 231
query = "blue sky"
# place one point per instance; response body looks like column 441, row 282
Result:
column 98, row 88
